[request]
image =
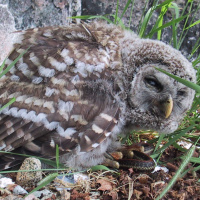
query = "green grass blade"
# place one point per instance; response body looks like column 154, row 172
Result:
column 174, row 26
column 179, row 147
column 196, row 62
column 176, row 137
column 145, row 22
column 175, row 177
column 195, row 105
column 116, row 13
column 44, row 182
column 195, row 48
column 160, row 20
column 194, row 160
column 196, row 168
column 57, row 157
column 2, row 65
column 174, row 34
column 142, row 16
column 176, row 9
column 100, row 167
column 159, row 141
column 13, row 63
column 85, row 17
column 3, row 72
column 48, row 178
column 150, row 35
column 195, row 23
column 131, row 14
column 8, row 104
column 183, row 81
column 125, row 8
column 37, row 170
column 120, row 22
column 183, row 35
column 167, row 2
column 47, row 161
column 148, row 16
column 184, row 8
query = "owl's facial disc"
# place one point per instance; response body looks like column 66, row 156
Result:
column 165, row 106
column 159, row 99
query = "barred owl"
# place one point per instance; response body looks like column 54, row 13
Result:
column 79, row 86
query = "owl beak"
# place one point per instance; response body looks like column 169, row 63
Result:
column 167, row 107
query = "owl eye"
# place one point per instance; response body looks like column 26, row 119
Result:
column 181, row 93
column 152, row 82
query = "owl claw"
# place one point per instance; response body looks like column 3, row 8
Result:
column 111, row 163
column 131, row 157
column 111, row 159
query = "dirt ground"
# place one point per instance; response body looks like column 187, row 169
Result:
column 122, row 184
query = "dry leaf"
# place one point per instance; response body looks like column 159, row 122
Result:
column 105, row 185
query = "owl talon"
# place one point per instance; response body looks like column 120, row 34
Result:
column 134, row 156
column 111, row 163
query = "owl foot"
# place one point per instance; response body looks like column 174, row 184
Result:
column 111, row 163
column 111, row 159
column 131, row 157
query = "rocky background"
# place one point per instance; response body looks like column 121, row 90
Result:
column 20, row 14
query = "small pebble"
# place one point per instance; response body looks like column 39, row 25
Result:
column 158, row 168
column 29, row 178
column 44, row 193
column 19, row 190
column 5, row 181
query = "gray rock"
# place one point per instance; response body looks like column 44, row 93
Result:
column 7, row 26
column 45, row 193
column 39, row 13
column 19, row 190
column 12, row 197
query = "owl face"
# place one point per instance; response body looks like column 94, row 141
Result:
column 156, row 95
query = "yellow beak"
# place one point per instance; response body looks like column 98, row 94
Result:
column 167, row 107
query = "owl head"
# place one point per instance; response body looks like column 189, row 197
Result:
column 155, row 100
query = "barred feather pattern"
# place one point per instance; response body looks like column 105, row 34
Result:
column 72, row 90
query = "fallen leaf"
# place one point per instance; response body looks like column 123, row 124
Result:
column 105, row 185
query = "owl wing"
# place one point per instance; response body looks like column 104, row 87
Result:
column 58, row 98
